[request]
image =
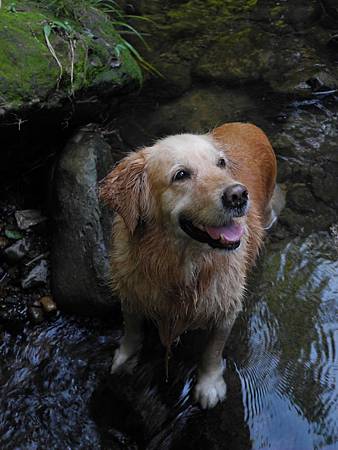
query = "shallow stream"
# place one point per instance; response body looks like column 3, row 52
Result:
column 282, row 356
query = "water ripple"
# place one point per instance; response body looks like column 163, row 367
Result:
column 289, row 372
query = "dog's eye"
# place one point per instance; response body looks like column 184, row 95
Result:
column 181, row 175
column 221, row 163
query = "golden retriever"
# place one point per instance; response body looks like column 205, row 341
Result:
column 191, row 213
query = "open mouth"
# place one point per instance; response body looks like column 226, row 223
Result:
column 227, row 237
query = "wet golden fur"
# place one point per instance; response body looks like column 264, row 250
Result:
column 159, row 272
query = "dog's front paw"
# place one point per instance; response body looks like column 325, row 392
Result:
column 210, row 390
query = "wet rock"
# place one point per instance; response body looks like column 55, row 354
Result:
column 81, row 225
column 16, row 251
column 197, row 111
column 37, row 276
column 331, row 9
column 301, row 199
column 322, row 82
column 176, row 76
column 48, row 304
column 302, row 15
column 35, row 314
column 28, row 218
column 334, row 234
column 325, row 188
column 242, row 42
column 221, row 62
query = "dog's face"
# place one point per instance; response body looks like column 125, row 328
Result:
column 183, row 183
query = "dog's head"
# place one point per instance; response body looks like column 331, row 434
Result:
column 184, row 184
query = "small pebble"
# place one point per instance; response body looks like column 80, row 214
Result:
column 16, row 251
column 48, row 304
column 36, row 314
column 37, row 276
column 28, row 218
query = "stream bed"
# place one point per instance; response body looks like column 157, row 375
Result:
column 282, row 355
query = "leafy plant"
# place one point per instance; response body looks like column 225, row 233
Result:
column 11, row 7
column 73, row 10
column 13, row 234
column 65, row 28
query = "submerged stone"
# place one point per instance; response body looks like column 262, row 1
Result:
column 37, row 276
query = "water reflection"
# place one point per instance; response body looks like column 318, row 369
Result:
column 289, row 375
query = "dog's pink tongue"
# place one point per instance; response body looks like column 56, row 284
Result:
column 231, row 233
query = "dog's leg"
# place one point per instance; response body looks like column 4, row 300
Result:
column 210, row 387
column 131, row 341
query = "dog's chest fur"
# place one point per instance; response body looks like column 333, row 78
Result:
column 178, row 288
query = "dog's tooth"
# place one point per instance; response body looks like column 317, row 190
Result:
column 223, row 240
column 200, row 227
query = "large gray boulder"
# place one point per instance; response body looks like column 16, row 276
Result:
column 81, row 225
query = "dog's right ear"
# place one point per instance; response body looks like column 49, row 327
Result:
column 126, row 190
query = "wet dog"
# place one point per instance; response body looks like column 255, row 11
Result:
column 191, row 213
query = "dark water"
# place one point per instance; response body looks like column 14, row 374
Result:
column 290, row 367
column 282, row 362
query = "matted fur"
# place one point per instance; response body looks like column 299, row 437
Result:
column 158, row 271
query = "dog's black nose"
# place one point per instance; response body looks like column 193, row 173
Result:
column 235, row 196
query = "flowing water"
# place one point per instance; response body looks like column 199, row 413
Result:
column 282, row 358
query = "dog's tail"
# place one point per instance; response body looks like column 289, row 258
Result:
column 276, row 205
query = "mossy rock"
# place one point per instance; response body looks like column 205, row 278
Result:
column 27, row 70
column 236, row 57
column 241, row 41
column 31, row 74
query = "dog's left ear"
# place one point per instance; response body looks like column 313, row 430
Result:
column 126, row 190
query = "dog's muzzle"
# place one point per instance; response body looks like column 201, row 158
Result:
column 235, row 200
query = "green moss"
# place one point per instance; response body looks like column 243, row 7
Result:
column 107, row 60
column 27, row 71
column 192, row 29
column 30, row 74
column 235, row 58
column 276, row 11
column 201, row 15
column 280, row 23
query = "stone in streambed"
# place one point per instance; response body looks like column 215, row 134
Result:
column 16, row 251
column 37, row 276
column 48, row 304
column 81, row 225
column 28, row 218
